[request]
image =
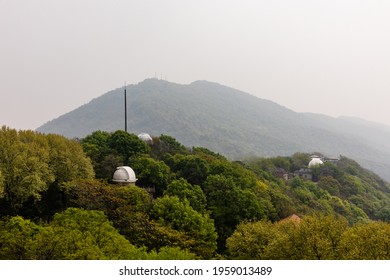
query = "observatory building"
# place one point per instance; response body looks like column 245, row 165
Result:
column 124, row 175
column 315, row 160
column 145, row 137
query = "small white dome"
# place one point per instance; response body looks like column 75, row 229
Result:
column 124, row 174
column 145, row 137
column 315, row 161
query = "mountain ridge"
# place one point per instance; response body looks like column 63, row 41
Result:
column 229, row 121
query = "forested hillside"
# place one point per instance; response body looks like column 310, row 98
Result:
column 58, row 202
column 228, row 121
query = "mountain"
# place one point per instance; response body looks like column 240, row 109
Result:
column 228, row 121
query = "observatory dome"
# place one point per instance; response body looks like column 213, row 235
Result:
column 315, row 161
column 145, row 137
column 124, row 174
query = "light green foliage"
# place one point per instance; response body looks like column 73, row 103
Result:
column 67, row 160
column 17, row 237
column 313, row 237
column 369, row 241
column 82, row 234
column 184, row 190
column 109, row 150
column 317, row 237
column 24, row 164
column 31, row 162
column 250, row 240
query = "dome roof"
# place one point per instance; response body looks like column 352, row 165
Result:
column 315, row 161
column 124, row 174
column 145, row 137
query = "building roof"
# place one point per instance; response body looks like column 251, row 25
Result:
column 315, row 161
column 124, row 174
column 145, row 137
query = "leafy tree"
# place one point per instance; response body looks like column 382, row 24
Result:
column 313, row 237
column 184, row 190
column 250, row 240
column 33, row 165
column 96, row 146
column 369, row 241
column 191, row 167
column 318, row 237
column 236, row 171
column 83, row 234
column 179, row 215
column 17, row 238
column 229, row 205
column 24, row 164
column 127, row 145
column 151, row 173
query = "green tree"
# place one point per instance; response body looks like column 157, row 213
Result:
column 17, row 237
column 151, row 173
column 184, row 190
column 24, row 164
column 229, row 205
column 83, row 234
column 250, row 240
column 127, row 145
column 369, row 241
column 191, row 167
column 330, row 184
column 166, row 145
column 318, row 237
column 179, row 215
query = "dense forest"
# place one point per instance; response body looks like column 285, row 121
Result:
column 58, row 201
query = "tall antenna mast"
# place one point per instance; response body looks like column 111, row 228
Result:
column 125, row 109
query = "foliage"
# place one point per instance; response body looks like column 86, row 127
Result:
column 31, row 163
column 151, row 173
column 185, row 191
column 179, row 215
column 313, row 237
column 368, row 241
column 187, row 204
column 109, row 150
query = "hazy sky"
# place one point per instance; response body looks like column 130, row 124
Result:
column 326, row 56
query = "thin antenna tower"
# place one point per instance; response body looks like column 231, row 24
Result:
column 125, row 109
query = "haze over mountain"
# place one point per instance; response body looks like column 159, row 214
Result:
column 228, row 121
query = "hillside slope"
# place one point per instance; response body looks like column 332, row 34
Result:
column 228, row 121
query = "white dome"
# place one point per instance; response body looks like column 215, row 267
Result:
column 145, row 137
column 315, row 161
column 124, row 174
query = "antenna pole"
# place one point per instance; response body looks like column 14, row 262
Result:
column 125, row 109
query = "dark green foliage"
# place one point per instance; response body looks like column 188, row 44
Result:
column 151, row 173
column 185, row 191
column 191, row 167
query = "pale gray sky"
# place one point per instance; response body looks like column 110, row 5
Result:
column 330, row 57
